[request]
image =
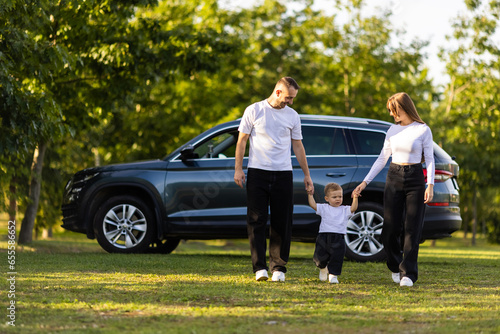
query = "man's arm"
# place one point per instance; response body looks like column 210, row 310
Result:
column 239, row 175
column 300, row 153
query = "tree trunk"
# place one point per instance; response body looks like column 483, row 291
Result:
column 47, row 233
column 12, row 200
column 474, row 219
column 466, row 209
column 28, row 223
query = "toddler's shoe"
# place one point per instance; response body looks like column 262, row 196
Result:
column 323, row 274
column 333, row 279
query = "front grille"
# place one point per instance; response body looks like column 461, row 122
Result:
column 69, row 210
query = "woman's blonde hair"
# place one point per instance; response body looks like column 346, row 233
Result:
column 404, row 101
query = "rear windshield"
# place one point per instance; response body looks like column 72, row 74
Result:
column 440, row 155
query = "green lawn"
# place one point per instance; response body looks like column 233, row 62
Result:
column 69, row 285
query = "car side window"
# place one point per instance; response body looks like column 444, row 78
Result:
column 323, row 140
column 218, row 147
column 368, row 142
column 339, row 145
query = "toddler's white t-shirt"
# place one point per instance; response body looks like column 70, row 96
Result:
column 333, row 219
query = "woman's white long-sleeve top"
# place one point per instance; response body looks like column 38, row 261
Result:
column 406, row 144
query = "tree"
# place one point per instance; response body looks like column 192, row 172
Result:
column 68, row 66
column 470, row 112
column 29, row 113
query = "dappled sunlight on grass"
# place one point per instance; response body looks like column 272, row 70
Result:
column 69, row 284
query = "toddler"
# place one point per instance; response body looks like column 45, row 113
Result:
column 330, row 243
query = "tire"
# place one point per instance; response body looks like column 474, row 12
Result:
column 364, row 233
column 166, row 246
column 124, row 224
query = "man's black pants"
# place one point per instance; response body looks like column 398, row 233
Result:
column 404, row 210
column 274, row 190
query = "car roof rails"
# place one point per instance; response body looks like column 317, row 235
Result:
column 344, row 119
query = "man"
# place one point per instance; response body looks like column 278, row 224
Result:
column 272, row 127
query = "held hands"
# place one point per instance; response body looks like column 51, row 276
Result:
column 309, row 185
column 357, row 191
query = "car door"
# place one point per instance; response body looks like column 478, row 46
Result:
column 329, row 160
column 367, row 145
column 204, row 200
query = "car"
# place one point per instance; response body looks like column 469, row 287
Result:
column 149, row 206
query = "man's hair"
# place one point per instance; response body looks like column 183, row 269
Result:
column 289, row 82
column 332, row 187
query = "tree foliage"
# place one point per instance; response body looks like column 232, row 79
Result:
column 68, row 67
column 469, row 116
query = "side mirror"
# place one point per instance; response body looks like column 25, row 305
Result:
column 187, row 153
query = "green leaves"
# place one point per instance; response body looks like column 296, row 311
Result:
column 469, row 117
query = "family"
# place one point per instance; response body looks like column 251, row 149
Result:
column 272, row 127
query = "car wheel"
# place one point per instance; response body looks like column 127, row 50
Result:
column 124, row 224
column 364, row 233
column 166, row 246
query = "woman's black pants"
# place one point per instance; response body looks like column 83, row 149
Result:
column 269, row 190
column 404, row 210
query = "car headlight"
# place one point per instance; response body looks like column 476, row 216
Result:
column 86, row 178
column 69, row 184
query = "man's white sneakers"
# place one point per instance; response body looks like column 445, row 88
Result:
column 406, row 281
column 261, row 275
column 323, row 274
column 278, row 276
column 396, row 278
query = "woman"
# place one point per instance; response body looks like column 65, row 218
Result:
column 405, row 193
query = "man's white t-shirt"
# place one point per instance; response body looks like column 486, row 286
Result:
column 271, row 132
column 333, row 219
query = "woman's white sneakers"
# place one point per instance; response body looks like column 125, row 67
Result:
column 333, row 279
column 396, row 278
column 406, row 281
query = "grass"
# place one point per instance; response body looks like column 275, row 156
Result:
column 69, row 285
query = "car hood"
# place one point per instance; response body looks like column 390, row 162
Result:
column 138, row 165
